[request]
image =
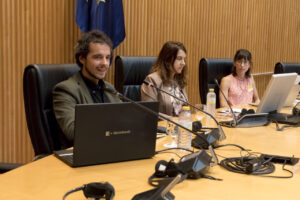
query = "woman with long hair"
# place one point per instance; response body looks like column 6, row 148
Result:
column 239, row 87
column 169, row 74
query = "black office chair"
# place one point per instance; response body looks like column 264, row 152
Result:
column 38, row 81
column 209, row 69
column 5, row 167
column 287, row 68
column 130, row 73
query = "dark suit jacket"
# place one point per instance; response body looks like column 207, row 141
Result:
column 66, row 95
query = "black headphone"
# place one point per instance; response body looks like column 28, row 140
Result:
column 95, row 190
column 245, row 112
column 198, row 142
column 295, row 110
column 164, row 173
column 196, row 126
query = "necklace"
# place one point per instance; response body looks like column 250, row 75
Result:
column 241, row 83
column 241, row 79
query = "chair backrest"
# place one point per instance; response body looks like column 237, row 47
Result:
column 130, row 73
column 210, row 69
column 287, row 68
column 38, row 82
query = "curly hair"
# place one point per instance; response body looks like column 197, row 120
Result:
column 82, row 47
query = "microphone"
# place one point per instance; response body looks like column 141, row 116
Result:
column 114, row 92
column 160, row 193
column 233, row 115
column 246, row 119
column 221, row 133
column 171, row 173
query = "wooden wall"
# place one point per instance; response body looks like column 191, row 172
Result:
column 36, row 31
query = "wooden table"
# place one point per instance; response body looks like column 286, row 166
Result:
column 49, row 178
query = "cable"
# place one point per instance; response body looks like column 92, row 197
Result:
column 247, row 165
column 174, row 148
column 296, row 112
column 253, row 166
column 220, row 156
column 242, row 150
column 172, row 153
column 292, row 174
column 278, row 128
column 73, row 190
column 284, row 169
column 211, row 177
column 223, row 145
column 252, row 153
column 296, row 105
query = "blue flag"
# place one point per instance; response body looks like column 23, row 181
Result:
column 104, row 15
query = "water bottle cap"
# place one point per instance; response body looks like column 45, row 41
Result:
column 211, row 89
column 185, row 108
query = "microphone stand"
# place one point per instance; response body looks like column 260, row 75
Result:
column 247, row 120
column 221, row 132
column 235, row 122
column 114, row 92
column 160, row 193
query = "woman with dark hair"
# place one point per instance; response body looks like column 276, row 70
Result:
column 239, row 87
column 169, row 74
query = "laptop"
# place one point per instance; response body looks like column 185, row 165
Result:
column 275, row 96
column 276, row 92
column 293, row 93
column 111, row 132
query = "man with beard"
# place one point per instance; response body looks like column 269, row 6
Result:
column 93, row 53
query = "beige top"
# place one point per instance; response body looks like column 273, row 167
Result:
column 165, row 101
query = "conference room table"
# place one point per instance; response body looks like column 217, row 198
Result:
column 50, row 178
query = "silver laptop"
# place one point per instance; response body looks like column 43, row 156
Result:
column 111, row 132
column 276, row 92
column 293, row 93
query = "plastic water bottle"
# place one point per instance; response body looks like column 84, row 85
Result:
column 185, row 119
column 211, row 102
column 211, row 107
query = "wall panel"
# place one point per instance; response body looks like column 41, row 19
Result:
column 37, row 31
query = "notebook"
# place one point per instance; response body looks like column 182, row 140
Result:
column 111, row 132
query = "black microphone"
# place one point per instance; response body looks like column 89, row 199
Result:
column 114, row 92
column 221, row 133
column 233, row 115
column 199, row 136
column 171, row 173
column 160, row 193
column 248, row 118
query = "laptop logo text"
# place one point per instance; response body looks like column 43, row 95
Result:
column 111, row 133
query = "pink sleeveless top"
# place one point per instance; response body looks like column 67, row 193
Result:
column 240, row 91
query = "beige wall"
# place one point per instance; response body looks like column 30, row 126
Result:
column 36, row 31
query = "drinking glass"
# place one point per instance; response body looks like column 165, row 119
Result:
column 172, row 130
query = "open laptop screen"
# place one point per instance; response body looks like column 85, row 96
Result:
column 276, row 93
column 113, row 132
